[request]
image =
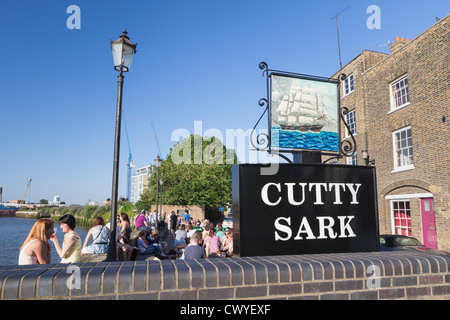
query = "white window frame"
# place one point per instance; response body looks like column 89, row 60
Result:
column 410, row 160
column 404, row 91
column 404, row 210
column 352, row 125
column 352, row 160
column 350, row 83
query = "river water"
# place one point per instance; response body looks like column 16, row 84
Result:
column 14, row 231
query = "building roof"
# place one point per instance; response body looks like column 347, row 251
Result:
column 389, row 55
column 408, row 43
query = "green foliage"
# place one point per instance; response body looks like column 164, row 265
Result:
column 126, row 208
column 194, row 173
column 83, row 214
column 142, row 205
column 88, row 211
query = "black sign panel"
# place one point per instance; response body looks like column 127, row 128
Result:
column 304, row 209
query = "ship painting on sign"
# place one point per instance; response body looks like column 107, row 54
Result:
column 302, row 110
column 304, row 114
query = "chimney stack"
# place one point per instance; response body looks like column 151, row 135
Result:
column 399, row 42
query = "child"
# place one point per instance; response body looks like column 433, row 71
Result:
column 194, row 250
column 212, row 243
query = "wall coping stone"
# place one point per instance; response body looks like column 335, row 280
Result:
column 343, row 276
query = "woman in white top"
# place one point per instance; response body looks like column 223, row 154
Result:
column 35, row 248
column 180, row 236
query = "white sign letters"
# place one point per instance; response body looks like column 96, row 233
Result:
column 353, row 188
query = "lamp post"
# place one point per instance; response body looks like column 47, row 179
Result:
column 161, row 181
column 123, row 51
column 158, row 162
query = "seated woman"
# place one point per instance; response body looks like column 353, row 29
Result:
column 146, row 249
column 123, row 250
column 71, row 248
column 227, row 243
column 180, row 236
column 100, row 236
column 35, row 248
column 125, row 227
column 154, row 237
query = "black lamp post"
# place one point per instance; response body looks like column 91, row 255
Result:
column 161, row 181
column 158, row 162
column 123, row 51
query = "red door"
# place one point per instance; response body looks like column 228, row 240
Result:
column 428, row 223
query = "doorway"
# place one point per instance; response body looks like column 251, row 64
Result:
column 428, row 223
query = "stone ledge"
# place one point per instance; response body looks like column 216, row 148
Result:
column 348, row 276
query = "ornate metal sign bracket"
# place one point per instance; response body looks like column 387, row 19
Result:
column 262, row 142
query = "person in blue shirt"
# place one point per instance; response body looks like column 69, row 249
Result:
column 186, row 216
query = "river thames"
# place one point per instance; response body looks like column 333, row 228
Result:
column 14, row 231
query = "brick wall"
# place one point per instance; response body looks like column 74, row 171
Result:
column 195, row 212
column 425, row 60
column 352, row 276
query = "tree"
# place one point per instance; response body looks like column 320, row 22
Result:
column 194, row 173
column 43, row 201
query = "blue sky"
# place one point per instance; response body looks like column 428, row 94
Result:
column 197, row 60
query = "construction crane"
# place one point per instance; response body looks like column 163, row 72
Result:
column 130, row 163
column 157, row 182
column 156, row 138
column 27, row 188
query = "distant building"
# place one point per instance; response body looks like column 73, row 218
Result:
column 399, row 112
column 139, row 182
column 6, row 211
column 56, row 200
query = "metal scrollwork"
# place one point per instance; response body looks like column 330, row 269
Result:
column 348, row 148
column 263, row 66
column 262, row 139
column 263, row 102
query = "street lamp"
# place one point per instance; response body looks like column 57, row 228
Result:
column 366, row 158
column 161, row 181
column 158, row 162
column 123, row 51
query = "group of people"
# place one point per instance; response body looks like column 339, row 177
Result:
column 197, row 239
column 201, row 239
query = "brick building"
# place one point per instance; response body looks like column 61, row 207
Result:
column 399, row 113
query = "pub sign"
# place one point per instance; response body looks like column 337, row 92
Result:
column 304, row 209
column 304, row 113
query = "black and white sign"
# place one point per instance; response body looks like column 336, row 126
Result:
column 304, row 209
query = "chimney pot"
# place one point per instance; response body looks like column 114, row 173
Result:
column 397, row 38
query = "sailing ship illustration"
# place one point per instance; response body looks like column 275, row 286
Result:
column 303, row 110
